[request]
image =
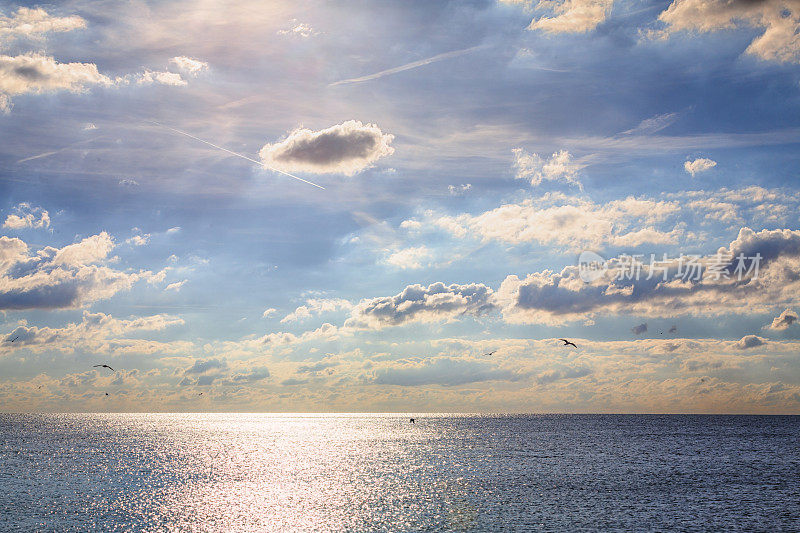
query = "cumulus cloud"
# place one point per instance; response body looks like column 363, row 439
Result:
column 558, row 374
column 699, row 165
column 569, row 16
column 555, row 297
column 67, row 277
column 441, row 371
column 176, row 286
column 750, row 341
column 38, row 73
column 150, row 77
column 558, row 167
column 96, row 333
column 408, row 258
column 27, row 216
column 779, row 20
column 415, row 303
column 346, row 148
column 570, row 222
column 783, row 321
column 35, row 22
column 189, row 65
column 316, row 307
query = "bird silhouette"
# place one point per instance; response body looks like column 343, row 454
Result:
column 15, row 338
column 491, row 353
column 412, row 421
column 104, row 366
column 568, row 343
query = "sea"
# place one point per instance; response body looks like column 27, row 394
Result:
column 381, row 472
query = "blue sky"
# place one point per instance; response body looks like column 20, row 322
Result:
column 468, row 153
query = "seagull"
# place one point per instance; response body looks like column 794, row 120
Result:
column 200, row 394
column 106, row 394
column 490, row 353
column 412, row 421
column 15, row 338
column 104, row 366
column 567, row 343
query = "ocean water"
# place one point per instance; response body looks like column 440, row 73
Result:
column 253, row 472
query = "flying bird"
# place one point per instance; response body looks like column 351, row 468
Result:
column 490, row 353
column 412, row 421
column 15, row 338
column 568, row 343
column 104, row 366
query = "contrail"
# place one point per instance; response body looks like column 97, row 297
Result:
column 260, row 163
column 409, row 66
column 54, row 152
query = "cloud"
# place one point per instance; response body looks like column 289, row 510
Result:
column 550, row 297
column 269, row 312
column 750, row 341
column 149, row 77
column 27, row 216
column 37, row 73
column 567, row 221
column 408, row 258
column 783, row 321
column 571, row 16
column 699, row 165
column 638, row 330
column 96, row 333
column 346, row 148
column 417, row 303
column 653, row 124
column 299, row 30
column 316, row 306
column 458, row 190
column 35, row 22
column 189, row 65
column 446, row 371
column 779, row 20
column 558, row 374
column 68, row 277
column 559, row 167
column 176, row 286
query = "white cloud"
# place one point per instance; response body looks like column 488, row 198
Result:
column 175, row 286
column 571, row 16
column 27, row 216
column 653, row 124
column 149, row 77
column 139, row 240
column 68, row 277
column 408, row 258
column 37, row 73
column 699, row 165
column 35, row 22
column 570, row 222
column 189, row 65
column 783, row 321
column 269, row 312
column 299, row 30
column 346, row 148
column 779, row 20
column 457, row 190
column 559, row 167
column 316, row 307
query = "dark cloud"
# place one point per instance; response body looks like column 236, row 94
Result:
column 418, row 303
column 346, row 148
column 639, row 329
column 750, row 341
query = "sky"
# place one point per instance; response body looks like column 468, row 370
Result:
column 400, row 206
